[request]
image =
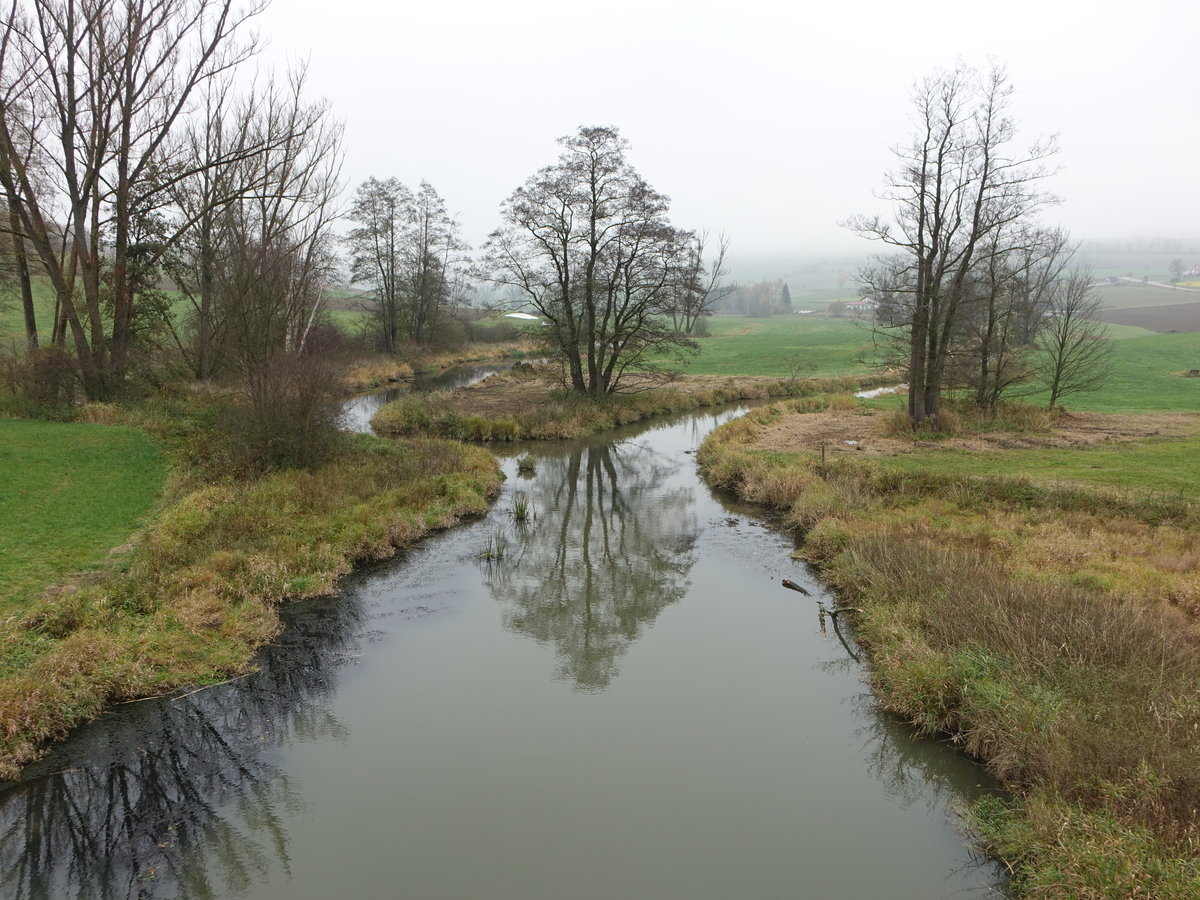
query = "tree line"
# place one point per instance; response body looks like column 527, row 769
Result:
column 763, row 298
column 146, row 170
column 977, row 294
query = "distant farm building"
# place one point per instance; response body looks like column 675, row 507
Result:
column 862, row 307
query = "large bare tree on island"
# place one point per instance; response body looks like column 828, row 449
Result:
column 957, row 185
column 587, row 244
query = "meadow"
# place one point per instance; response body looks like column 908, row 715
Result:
column 68, row 493
column 781, row 346
column 1149, row 369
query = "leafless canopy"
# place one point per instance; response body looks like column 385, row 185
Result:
column 959, row 191
column 123, row 149
column 586, row 243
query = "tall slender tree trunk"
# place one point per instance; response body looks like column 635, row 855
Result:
column 23, row 276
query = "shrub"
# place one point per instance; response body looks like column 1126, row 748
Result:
column 43, row 383
column 288, row 416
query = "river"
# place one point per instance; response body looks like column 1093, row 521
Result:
column 626, row 704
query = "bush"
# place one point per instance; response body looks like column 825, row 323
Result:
column 43, row 383
column 495, row 332
column 289, row 416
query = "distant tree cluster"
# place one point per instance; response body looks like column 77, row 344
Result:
column 978, row 296
column 764, row 298
column 406, row 248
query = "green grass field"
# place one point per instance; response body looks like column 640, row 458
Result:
column 1168, row 467
column 68, row 494
column 1148, row 368
column 1148, row 375
column 12, row 319
column 774, row 346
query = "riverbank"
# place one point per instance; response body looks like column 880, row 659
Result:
column 371, row 373
column 525, row 404
column 191, row 598
column 1042, row 617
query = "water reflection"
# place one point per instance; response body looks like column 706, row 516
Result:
column 207, row 795
column 610, row 546
column 912, row 771
column 180, row 797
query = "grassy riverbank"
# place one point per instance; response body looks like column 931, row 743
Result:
column 191, row 598
column 1043, row 618
column 525, row 406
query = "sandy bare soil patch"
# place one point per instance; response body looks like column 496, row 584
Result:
column 863, row 432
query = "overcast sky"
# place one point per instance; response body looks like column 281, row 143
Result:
column 771, row 122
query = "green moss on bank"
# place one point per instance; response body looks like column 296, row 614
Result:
column 1050, row 630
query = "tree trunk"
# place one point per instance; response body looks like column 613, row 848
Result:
column 23, row 277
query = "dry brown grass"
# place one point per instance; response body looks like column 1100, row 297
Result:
column 199, row 593
column 1049, row 631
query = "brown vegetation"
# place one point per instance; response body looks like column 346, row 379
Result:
column 1176, row 317
column 874, row 432
column 1050, row 630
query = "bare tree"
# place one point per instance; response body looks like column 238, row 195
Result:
column 407, row 248
column 280, row 255
column 104, row 85
column 956, row 184
column 586, row 243
column 1076, row 355
column 702, row 285
column 382, row 211
column 1176, row 271
column 254, row 244
column 1008, row 294
column 221, row 138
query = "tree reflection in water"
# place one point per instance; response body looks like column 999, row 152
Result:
column 610, row 546
column 176, row 797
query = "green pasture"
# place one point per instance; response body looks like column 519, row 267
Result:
column 1149, row 375
column 1160, row 468
column 68, row 493
column 1149, row 369
column 348, row 320
column 781, row 346
column 12, row 318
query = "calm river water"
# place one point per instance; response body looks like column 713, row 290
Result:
column 627, row 705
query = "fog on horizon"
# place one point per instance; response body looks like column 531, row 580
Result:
column 771, row 125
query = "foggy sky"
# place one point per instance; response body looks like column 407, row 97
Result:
column 770, row 122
